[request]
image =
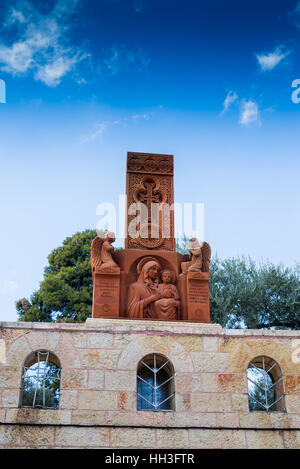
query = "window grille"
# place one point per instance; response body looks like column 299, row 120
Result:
column 41, row 381
column 265, row 385
column 155, row 383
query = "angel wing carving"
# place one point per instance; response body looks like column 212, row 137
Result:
column 206, row 255
column 96, row 247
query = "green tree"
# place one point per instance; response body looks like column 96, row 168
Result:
column 42, row 398
column 244, row 294
column 66, row 292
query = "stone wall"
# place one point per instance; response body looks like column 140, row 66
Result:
column 98, row 387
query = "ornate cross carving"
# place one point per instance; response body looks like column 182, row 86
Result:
column 149, row 195
column 149, row 180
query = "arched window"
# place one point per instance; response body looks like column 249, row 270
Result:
column 41, row 380
column 265, row 385
column 155, row 383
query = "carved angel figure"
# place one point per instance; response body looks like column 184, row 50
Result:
column 200, row 254
column 101, row 252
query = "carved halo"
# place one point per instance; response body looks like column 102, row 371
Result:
column 144, row 261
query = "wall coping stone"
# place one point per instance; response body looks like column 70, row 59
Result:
column 129, row 326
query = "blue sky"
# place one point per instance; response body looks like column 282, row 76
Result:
column 87, row 81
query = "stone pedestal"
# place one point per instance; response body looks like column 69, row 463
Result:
column 106, row 294
column 197, row 296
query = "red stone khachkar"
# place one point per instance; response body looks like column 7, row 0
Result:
column 149, row 279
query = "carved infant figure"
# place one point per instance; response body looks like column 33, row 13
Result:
column 168, row 305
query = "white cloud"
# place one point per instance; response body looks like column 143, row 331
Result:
column 19, row 14
column 16, row 59
column 295, row 14
column 249, row 113
column 16, row 17
column 230, row 98
column 248, row 109
column 51, row 74
column 146, row 116
column 41, row 45
column 270, row 60
column 100, row 128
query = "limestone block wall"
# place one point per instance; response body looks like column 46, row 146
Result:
column 98, row 403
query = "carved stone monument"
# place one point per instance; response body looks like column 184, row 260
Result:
column 149, row 279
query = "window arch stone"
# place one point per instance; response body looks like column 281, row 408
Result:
column 155, row 383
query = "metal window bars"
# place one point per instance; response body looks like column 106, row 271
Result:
column 267, row 402
column 155, row 385
column 41, row 382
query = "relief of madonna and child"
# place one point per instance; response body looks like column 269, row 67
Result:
column 154, row 295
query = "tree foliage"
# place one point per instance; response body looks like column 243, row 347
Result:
column 242, row 293
column 66, row 292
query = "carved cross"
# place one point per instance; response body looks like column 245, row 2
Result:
column 149, row 182
column 149, row 196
